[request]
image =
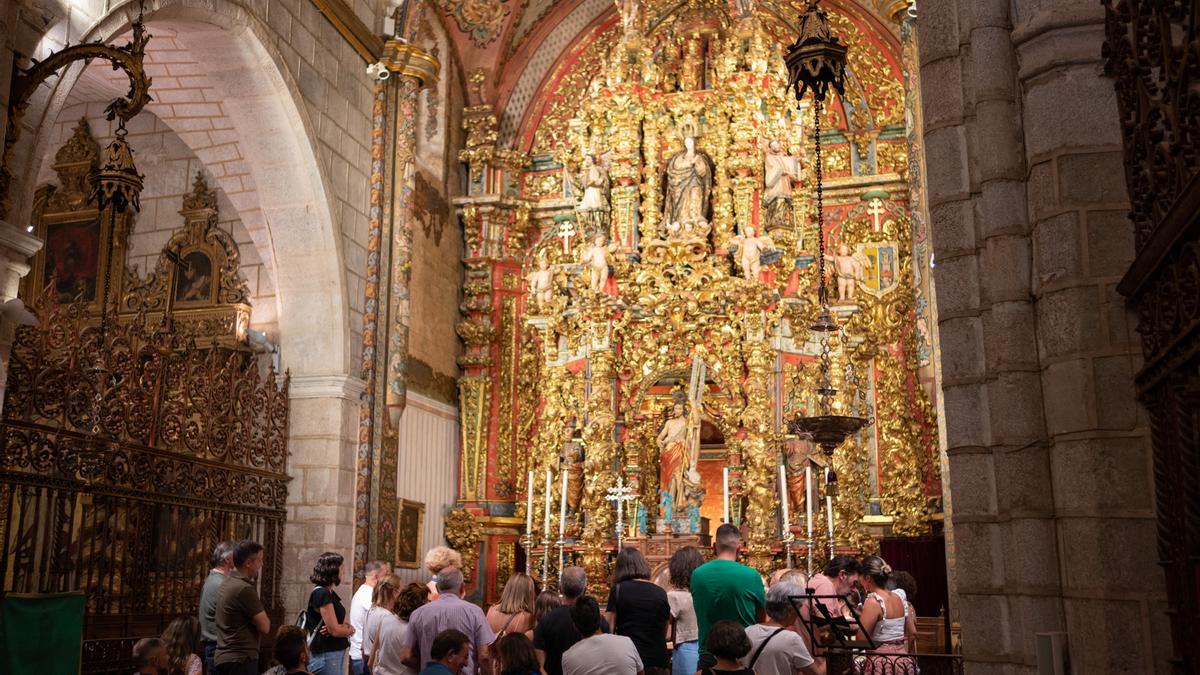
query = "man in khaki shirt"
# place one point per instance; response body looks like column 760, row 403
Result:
column 240, row 617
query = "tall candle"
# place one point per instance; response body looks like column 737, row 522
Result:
column 783, row 497
column 529, row 506
column 829, row 513
column 546, row 524
column 725, row 479
column 562, row 515
column 808, row 512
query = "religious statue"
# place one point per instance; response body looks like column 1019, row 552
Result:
column 848, row 269
column 780, row 172
column 572, row 463
column 597, row 258
column 628, row 10
column 689, row 184
column 678, row 453
column 742, row 8
column 750, row 251
column 593, row 207
column 541, row 284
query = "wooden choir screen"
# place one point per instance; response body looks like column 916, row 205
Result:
column 1151, row 50
column 124, row 458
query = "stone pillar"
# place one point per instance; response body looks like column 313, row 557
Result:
column 320, row 506
column 1048, row 454
column 16, row 247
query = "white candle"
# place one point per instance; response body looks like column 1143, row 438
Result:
column 546, row 524
column 829, row 512
column 808, row 512
column 783, row 498
column 562, row 515
column 725, row 478
column 529, row 506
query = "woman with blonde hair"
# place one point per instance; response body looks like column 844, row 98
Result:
column 884, row 617
column 386, row 625
column 437, row 559
column 514, row 612
column 182, row 640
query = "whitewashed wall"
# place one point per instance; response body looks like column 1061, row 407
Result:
column 428, row 467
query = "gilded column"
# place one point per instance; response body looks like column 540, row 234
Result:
column 386, row 306
column 601, row 454
column 758, row 454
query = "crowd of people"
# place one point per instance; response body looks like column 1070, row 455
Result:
column 706, row 618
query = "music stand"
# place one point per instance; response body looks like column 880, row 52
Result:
column 842, row 630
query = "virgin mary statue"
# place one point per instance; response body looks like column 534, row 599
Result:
column 688, row 184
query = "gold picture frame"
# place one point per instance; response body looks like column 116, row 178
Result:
column 410, row 526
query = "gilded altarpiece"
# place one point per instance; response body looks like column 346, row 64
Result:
column 659, row 223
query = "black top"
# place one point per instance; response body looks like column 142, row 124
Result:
column 321, row 642
column 642, row 614
column 714, row 671
column 555, row 634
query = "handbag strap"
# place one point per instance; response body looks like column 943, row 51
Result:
column 763, row 645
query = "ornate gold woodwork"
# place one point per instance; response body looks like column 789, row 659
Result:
column 585, row 362
column 463, row 533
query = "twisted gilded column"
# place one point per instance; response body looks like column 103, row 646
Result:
column 601, row 453
column 758, row 455
column 386, row 306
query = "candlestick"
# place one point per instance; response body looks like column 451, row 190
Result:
column 808, row 513
column 549, row 497
column 562, row 511
column 829, row 514
column 725, row 479
column 529, row 505
column 783, row 499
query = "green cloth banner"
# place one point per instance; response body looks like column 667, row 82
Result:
column 41, row 634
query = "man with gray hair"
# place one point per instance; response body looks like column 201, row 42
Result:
column 556, row 632
column 448, row 611
column 776, row 649
column 222, row 565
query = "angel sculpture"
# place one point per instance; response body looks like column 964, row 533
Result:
column 849, row 269
column 750, row 251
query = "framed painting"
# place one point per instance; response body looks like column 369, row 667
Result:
column 410, row 527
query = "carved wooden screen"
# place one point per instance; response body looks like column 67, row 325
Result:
column 1152, row 49
column 122, row 464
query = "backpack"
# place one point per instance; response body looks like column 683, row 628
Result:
column 303, row 624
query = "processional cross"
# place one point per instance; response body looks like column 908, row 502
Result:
column 620, row 494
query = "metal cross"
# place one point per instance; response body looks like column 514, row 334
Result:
column 620, row 494
column 566, row 230
column 875, row 210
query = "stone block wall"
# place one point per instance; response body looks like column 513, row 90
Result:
column 1049, row 454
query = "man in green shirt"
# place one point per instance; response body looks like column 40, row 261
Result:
column 240, row 618
column 726, row 590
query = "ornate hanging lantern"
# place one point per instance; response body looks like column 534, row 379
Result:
column 817, row 62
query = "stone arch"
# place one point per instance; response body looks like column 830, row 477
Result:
column 272, row 134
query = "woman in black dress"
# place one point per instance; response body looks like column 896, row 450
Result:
column 639, row 610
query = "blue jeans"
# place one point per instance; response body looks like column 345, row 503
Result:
column 685, row 658
column 358, row 667
column 210, row 650
column 327, row 663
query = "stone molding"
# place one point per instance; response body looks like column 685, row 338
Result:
column 345, row 387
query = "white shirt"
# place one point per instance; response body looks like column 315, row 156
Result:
column 359, row 604
column 784, row 654
column 602, row 654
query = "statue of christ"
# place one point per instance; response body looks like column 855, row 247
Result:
column 678, row 453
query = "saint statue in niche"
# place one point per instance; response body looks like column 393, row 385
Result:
column 689, row 184
column 780, row 174
column 194, row 281
column 593, row 205
column 678, row 454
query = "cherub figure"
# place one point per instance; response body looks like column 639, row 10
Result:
column 597, row 258
column 750, row 250
column 540, row 283
column 848, row 268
